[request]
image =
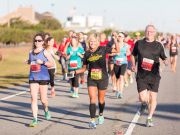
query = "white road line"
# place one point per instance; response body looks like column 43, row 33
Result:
column 133, row 123
column 11, row 96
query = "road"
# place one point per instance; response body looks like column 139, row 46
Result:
column 71, row 116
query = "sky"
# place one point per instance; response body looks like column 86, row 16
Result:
column 129, row 15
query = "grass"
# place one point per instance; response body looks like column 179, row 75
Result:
column 13, row 70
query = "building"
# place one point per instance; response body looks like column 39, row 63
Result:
column 84, row 23
column 25, row 14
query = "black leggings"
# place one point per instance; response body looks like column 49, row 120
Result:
column 51, row 74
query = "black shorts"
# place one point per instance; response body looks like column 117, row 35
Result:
column 110, row 60
column 75, row 81
column 40, row 82
column 149, row 83
column 120, row 70
column 100, row 84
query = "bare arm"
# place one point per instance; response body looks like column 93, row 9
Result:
column 81, row 70
column 133, row 63
column 49, row 63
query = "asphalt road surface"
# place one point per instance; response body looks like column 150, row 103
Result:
column 71, row 116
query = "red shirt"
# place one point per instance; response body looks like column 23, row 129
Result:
column 131, row 44
column 104, row 43
column 55, row 45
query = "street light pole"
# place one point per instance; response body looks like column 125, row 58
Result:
column 8, row 13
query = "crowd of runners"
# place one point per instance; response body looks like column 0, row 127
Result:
column 119, row 60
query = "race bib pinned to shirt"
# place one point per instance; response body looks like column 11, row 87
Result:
column 119, row 61
column 147, row 64
column 73, row 64
column 173, row 49
column 96, row 74
column 35, row 67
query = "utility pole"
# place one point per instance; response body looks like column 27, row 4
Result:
column 8, row 13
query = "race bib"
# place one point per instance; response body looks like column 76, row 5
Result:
column 173, row 49
column 119, row 61
column 147, row 64
column 73, row 63
column 35, row 67
column 96, row 74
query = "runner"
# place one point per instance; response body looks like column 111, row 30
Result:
column 148, row 78
column 82, row 43
column 39, row 60
column 49, row 42
column 74, row 55
column 95, row 61
column 62, row 59
column 120, row 64
column 111, row 44
column 128, row 77
column 173, row 52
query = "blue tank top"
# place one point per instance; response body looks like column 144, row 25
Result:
column 38, row 72
column 121, row 58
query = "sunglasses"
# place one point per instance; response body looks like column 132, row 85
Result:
column 38, row 40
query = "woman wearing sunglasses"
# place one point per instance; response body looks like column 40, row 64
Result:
column 39, row 60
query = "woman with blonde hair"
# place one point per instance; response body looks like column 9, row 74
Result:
column 97, row 81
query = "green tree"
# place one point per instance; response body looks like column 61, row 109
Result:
column 50, row 24
column 20, row 24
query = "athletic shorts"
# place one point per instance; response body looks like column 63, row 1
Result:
column 40, row 82
column 151, row 84
column 75, row 81
column 119, row 70
column 110, row 61
column 100, row 84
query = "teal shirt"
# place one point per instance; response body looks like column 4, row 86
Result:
column 75, row 61
column 122, row 57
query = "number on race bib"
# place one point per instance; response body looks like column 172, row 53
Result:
column 147, row 64
column 173, row 49
column 35, row 67
column 96, row 74
column 73, row 63
column 119, row 61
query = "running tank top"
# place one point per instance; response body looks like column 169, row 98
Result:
column 121, row 58
column 37, row 71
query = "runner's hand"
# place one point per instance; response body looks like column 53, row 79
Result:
column 38, row 61
column 134, row 68
column 166, row 62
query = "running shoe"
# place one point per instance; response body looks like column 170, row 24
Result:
column 92, row 124
column 118, row 94
column 33, row 123
column 149, row 123
column 126, row 84
column 100, row 120
column 47, row 115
